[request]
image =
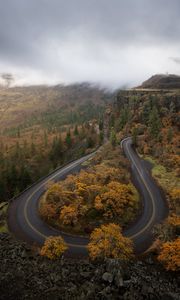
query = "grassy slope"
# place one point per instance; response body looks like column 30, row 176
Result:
column 166, row 179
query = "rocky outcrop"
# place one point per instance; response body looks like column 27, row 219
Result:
column 26, row 275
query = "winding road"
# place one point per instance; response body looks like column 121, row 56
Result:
column 25, row 223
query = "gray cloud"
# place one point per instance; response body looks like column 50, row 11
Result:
column 112, row 42
column 175, row 59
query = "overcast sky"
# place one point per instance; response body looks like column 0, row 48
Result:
column 112, row 42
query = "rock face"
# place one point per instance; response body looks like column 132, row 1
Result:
column 24, row 275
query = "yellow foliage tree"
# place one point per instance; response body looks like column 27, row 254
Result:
column 87, row 177
column 170, row 255
column 115, row 199
column 53, row 193
column 105, row 174
column 175, row 194
column 108, row 242
column 56, row 194
column 54, row 247
column 174, row 220
column 69, row 215
column 48, row 211
column 175, row 197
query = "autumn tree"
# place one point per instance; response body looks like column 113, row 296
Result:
column 53, row 194
column 175, row 196
column 48, row 211
column 108, row 242
column 53, row 247
column 57, row 195
column 104, row 174
column 116, row 200
column 69, row 215
column 170, row 255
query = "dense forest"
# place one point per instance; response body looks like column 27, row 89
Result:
column 44, row 127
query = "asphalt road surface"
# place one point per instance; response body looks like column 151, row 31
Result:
column 25, row 223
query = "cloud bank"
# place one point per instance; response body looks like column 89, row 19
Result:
column 113, row 43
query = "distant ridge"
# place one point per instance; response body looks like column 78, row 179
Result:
column 162, row 81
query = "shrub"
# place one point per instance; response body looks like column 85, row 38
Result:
column 54, row 247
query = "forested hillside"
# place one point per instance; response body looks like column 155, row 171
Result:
column 42, row 127
column 152, row 118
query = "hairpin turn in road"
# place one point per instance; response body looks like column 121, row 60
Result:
column 25, row 223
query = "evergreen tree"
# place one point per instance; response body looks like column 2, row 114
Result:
column 154, row 122
column 56, row 151
column 113, row 138
column 101, row 124
column 90, row 142
column 112, row 120
column 18, row 133
column 134, row 136
column 24, row 177
column 76, row 132
column 68, row 139
column 101, row 137
column 170, row 135
column 124, row 118
column 45, row 139
column 33, row 149
column 146, row 112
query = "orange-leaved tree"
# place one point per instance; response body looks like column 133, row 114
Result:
column 170, row 255
column 175, row 197
column 174, row 220
column 175, row 194
column 48, row 211
column 56, row 194
column 115, row 200
column 108, row 242
column 53, row 247
column 69, row 215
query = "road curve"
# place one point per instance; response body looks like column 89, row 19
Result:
column 25, row 223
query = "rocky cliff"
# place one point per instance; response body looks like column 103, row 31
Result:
column 26, row 275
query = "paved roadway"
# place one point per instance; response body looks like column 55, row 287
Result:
column 25, row 223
